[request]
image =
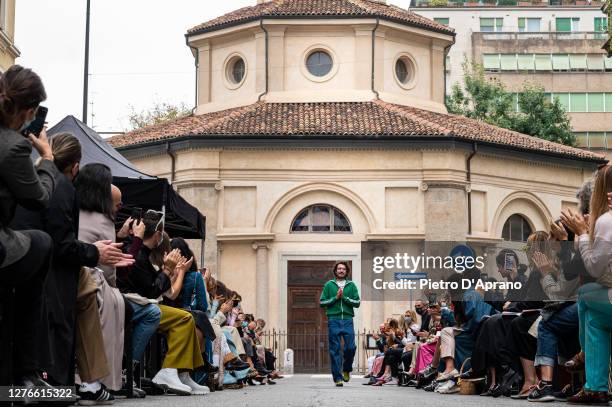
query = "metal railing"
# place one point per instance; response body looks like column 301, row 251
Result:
column 311, row 352
column 503, row 3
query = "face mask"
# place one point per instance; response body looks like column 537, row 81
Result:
column 161, row 240
column 245, row 324
column 407, row 320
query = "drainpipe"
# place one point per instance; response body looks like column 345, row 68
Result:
column 468, row 166
column 373, row 54
column 266, row 58
column 172, row 155
column 445, row 54
column 196, row 53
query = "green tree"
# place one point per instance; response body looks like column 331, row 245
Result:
column 481, row 98
column 159, row 113
column 488, row 100
column 542, row 118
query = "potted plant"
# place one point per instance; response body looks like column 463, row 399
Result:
column 438, row 3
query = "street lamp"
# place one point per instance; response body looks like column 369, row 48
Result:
column 86, row 70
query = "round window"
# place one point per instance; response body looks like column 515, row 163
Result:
column 405, row 71
column 319, row 63
column 236, row 70
column 401, row 70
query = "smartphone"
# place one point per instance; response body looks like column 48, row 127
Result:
column 509, row 262
column 136, row 214
column 39, row 122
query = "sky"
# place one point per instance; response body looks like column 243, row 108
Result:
column 138, row 55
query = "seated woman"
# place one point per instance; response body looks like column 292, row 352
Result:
column 150, row 281
column 424, row 351
column 375, row 361
column 393, row 350
column 457, row 342
column 219, row 307
column 96, row 224
column 595, row 299
column 408, row 325
column 520, row 342
column 192, row 297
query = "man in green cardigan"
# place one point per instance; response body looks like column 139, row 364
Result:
column 339, row 297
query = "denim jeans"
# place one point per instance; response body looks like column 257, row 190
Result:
column 145, row 321
column 595, row 311
column 341, row 328
column 561, row 324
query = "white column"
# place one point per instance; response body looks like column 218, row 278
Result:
column 261, row 280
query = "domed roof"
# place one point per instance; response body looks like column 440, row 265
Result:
column 321, row 9
column 342, row 120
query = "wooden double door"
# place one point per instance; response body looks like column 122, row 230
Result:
column 306, row 320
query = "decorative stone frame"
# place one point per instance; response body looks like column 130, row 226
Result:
column 228, row 65
column 412, row 67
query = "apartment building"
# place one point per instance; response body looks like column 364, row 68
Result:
column 8, row 50
column 556, row 44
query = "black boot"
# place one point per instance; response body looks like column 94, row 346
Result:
column 510, row 381
column 208, row 368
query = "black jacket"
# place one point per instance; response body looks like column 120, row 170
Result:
column 425, row 318
column 142, row 278
column 572, row 265
column 20, row 184
column 61, row 221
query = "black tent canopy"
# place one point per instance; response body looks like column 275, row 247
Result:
column 139, row 189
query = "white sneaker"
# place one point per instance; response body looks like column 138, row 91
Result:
column 169, row 379
column 448, row 387
column 451, row 388
column 447, row 376
column 195, row 388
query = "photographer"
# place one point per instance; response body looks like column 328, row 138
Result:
column 27, row 253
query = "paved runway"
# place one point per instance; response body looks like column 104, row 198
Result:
column 318, row 390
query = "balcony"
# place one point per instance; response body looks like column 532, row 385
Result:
column 504, row 3
column 534, row 42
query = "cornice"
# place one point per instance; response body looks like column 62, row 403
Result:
column 241, row 237
column 7, row 44
column 395, row 236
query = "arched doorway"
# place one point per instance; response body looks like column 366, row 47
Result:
column 306, row 320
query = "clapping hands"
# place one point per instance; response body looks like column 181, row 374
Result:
column 175, row 262
column 575, row 222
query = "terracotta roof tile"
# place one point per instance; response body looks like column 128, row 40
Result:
column 353, row 119
column 320, row 8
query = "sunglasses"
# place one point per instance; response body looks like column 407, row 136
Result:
column 161, row 219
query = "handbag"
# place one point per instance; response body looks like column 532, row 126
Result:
column 194, row 302
column 469, row 387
